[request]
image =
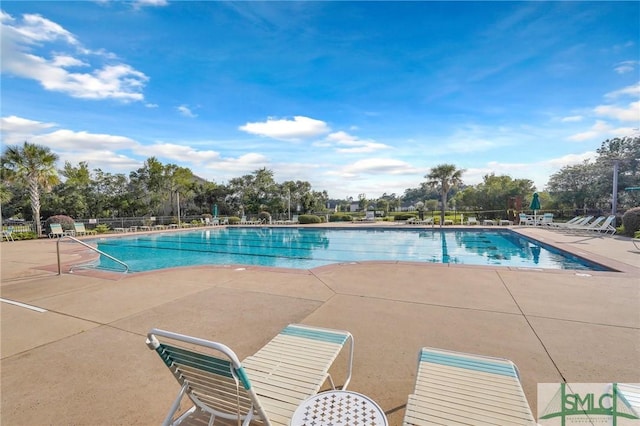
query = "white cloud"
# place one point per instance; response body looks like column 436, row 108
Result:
column 244, row 164
column 629, row 113
column 572, row 119
column 65, row 140
column 35, row 29
column 106, row 160
column 24, row 55
column 64, row 61
column 182, row 154
column 374, row 166
column 633, row 90
column 625, row 66
column 17, row 129
column 289, row 130
column 154, row 3
column 186, row 111
column 345, row 143
column 538, row 172
column 600, row 130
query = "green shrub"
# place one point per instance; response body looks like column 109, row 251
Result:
column 234, row 220
column 102, row 228
column 265, row 217
column 340, row 217
column 309, row 218
column 23, row 236
column 403, row 216
column 631, row 221
column 65, row 221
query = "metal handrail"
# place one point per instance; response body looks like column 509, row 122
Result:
column 126, row 267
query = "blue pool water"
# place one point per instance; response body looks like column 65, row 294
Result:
column 306, row 248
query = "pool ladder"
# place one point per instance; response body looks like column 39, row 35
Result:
column 126, row 267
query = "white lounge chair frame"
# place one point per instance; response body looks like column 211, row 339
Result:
column 267, row 386
column 80, row 229
column 460, row 388
column 57, row 231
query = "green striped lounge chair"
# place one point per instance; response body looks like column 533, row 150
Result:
column 265, row 388
column 455, row 388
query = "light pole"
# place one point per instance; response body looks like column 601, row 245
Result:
column 614, row 198
column 289, row 202
column 178, row 197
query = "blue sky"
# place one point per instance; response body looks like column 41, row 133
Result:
column 354, row 97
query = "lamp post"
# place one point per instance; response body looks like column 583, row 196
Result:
column 614, row 198
column 178, row 199
column 289, row 203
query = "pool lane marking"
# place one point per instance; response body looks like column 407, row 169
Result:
column 23, row 305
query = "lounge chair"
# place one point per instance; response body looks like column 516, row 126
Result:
column 57, row 231
column 292, row 221
column 267, row 386
column 568, row 223
column 370, row 216
column 525, row 219
column 547, row 219
column 636, row 242
column 471, row 220
column 459, row 388
column 81, row 230
column 606, row 226
column 586, row 225
column 417, row 221
column 7, row 234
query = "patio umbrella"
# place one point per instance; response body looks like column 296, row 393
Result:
column 535, row 205
column 215, row 210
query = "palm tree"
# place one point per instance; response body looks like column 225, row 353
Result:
column 35, row 166
column 444, row 177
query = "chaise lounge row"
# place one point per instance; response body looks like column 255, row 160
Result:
column 267, row 387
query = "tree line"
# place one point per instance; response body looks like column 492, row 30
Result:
column 32, row 187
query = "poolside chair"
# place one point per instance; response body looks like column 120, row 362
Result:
column 586, row 225
column 293, row 221
column 471, row 220
column 370, row 216
column 547, row 219
column 570, row 222
column 606, row 226
column 267, row 386
column 57, row 231
column 460, row 388
column 81, row 230
column 7, row 234
column 525, row 219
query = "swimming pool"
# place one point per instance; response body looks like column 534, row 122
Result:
column 305, row 248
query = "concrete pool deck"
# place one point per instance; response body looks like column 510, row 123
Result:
column 84, row 361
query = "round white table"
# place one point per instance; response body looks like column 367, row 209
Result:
column 339, row 408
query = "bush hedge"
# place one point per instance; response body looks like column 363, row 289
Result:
column 265, row 217
column 340, row 217
column 309, row 218
column 102, row 228
column 233, row 220
column 631, row 221
column 17, row 236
